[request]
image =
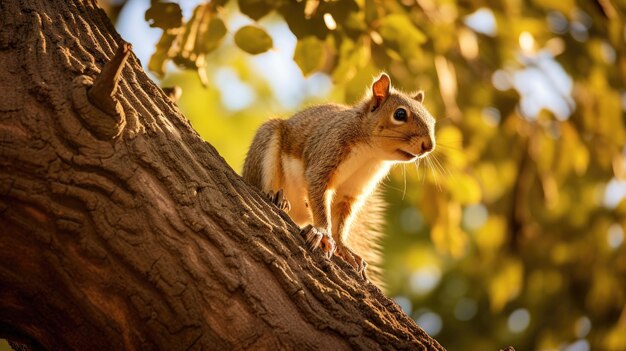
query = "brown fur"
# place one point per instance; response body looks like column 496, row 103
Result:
column 329, row 158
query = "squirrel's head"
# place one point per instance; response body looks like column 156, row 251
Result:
column 401, row 127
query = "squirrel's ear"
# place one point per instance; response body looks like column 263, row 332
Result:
column 380, row 90
column 419, row 96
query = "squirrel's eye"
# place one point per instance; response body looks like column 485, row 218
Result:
column 400, row 115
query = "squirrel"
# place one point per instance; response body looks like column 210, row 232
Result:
column 324, row 163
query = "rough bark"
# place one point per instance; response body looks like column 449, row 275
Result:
column 122, row 229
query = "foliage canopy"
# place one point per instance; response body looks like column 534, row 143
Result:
column 513, row 233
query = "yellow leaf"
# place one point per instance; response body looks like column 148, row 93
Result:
column 450, row 144
column 447, row 235
column 464, row 189
column 505, row 284
column 253, row 40
column 492, row 235
column 309, row 55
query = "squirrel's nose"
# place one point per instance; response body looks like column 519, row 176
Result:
column 427, row 145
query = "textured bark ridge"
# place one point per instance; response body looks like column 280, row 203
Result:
column 122, row 229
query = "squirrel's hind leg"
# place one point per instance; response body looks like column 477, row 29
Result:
column 352, row 259
column 314, row 237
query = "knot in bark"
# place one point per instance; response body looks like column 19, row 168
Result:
column 104, row 123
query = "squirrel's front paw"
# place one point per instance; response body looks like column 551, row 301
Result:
column 317, row 237
column 279, row 199
column 352, row 259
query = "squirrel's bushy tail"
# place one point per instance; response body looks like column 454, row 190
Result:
column 366, row 234
column 255, row 163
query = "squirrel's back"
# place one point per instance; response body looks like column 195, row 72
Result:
column 279, row 137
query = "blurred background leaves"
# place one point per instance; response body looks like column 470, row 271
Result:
column 513, row 232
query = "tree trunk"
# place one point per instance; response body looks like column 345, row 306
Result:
column 122, row 229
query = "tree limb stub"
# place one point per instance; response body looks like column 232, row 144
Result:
column 95, row 100
column 142, row 237
column 102, row 92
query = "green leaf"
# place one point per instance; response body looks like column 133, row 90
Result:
column 188, row 39
column 380, row 57
column 399, row 33
column 186, row 62
column 255, row 9
column 253, row 40
column 309, row 55
column 371, row 11
column 210, row 35
column 159, row 58
column 354, row 26
column 164, row 15
column 202, row 34
column 339, row 9
column 352, row 57
column 299, row 24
